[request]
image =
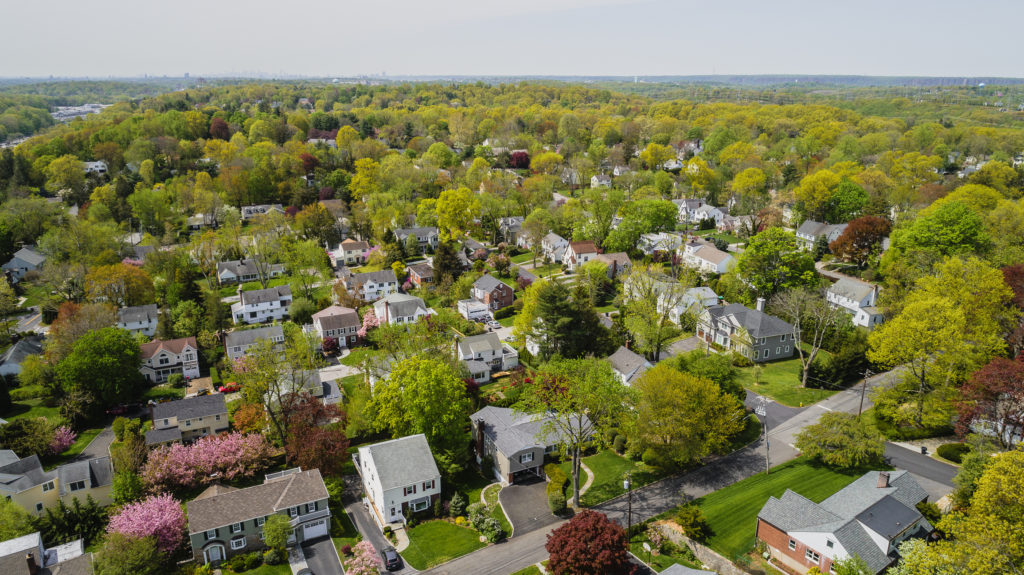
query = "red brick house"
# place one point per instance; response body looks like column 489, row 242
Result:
column 421, row 274
column 492, row 292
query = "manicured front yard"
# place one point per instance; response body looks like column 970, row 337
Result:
column 609, row 470
column 780, row 380
column 281, row 569
column 523, row 258
column 508, row 321
column 356, row 357
column 435, row 542
column 491, row 498
column 31, row 408
column 732, row 512
column 81, row 442
column 660, row 562
column 343, row 532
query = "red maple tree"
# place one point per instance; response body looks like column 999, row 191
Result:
column 995, row 395
column 316, row 435
column 588, row 544
column 862, row 239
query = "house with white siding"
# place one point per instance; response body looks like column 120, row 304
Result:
column 258, row 306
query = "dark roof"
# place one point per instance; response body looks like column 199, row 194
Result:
column 423, row 270
column 138, row 313
column 265, row 295
column 220, row 508
column 30, row 256
column 888, row 517
column 337, row 317
column 190, row 407
column 513, row 431
column 21, row 349
column 94, row 472
column 488, row 283
column 24, row 474
column 168, row 435
column 425, row 231
column 757, row 323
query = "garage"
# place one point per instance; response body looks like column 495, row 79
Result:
column 314, row 529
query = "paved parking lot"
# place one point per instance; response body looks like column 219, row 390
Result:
column 526, row 505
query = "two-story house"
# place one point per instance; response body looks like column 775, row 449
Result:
column 427, row 237
column 577, row 254
column 161, row 358
column 628, row 365
column 487, row 350
column 705, row 257
column 618, row 263
column 752, row 333
column 258, row 306
column 245, row 270
column 686, row 208
column 859, row 299
column 139, row 319
column 400, row 309
column 350, row 253
column 694, row 301
column 225, row 521
column 516, row 442
column 337, row 323
column 238, row 342
column 868, row 518
column 552, row 247
column 398, row 475
column 492, row 292
column 370, row 286
column 421, row 274
column 35, row 490
column 12, row 359
column 187, row 419
column 707, row 212
column 810, row 231
column 600, row 181
column 511, row 229
column 25, row 260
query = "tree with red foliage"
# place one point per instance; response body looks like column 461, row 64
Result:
column 519, row 160
column 862, row 239
column 219, row 129
column 588, row 544
column 1013, row 276
column 309, row 162
column 316, row 436
column 326, row 193
column 995, row 395
column 329, row 345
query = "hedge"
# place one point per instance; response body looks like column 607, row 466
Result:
column 953, row 451
column 504, row 312
column 556, row 479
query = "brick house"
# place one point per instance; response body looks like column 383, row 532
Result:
column 493, row 292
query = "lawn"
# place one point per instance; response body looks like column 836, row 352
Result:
column 281, row 569
column 523, row 258
column 32, row 408
column 436, row 542
column 508, row 321
column 732, row 512
column 34, row 295
column 159, row 392
column 543, row 271
column 232, row 289
column 531, row 570
column 343, row 532
column 356, row 357
column 471, row 483
column 491, row 498
column 609, row 470
column 81, row 442
column 780, row 380
column 662, row 561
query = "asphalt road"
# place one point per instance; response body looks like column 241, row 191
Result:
column 934, row 476
column 508, row 557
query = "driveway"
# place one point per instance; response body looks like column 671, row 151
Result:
column 526, row 505
column 681, row 346
column 322, row 557
column 364, row 523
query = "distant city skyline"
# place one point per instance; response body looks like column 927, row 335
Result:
column 322, row 38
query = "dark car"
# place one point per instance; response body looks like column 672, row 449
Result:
column 392, row 560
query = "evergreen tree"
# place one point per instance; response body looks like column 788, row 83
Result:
column 446, row 263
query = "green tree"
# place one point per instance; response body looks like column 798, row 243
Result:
column 127, row 487
column 123, row 555
column 812, row 317
column 308, row 266
column 446, row 263
column 14, row 521
column 8, row 305
column 65, row 173
column 276, row 531
column 456, row 210
column 651, row 298
column 771, row 262
column 105, row 364
column 841, row 440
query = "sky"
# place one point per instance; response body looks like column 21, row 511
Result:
column 327, row 38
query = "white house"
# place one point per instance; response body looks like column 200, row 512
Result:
column 371, row 286
column 487, row 348
column 238, row 342
column 620, row 171
column 425, row 237
column 25, row 260
column 160, row 359
column 249, row 212
column 809, row 232
column 694, row 300
column 579, row 253
column 397, row 475
column 399, row 308
column 706, row 258
column 859, row 299
column 687, row 207
column 138, row 319
column 629, row 366
column 553, row 247
column 600, row 181
column 242, row 271
column 708, row 212
column 472, row 309
column 337, row 322
column 99, row 167
column 262, row 305
column 659, row 242
column 350, row 253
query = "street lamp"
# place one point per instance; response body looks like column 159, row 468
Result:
column 627, row 484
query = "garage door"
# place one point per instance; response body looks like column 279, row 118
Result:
column 314, row 529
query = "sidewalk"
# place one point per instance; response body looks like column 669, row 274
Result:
column 297, row 560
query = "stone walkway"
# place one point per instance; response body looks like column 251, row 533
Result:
column 297, row 560
column 590, row 478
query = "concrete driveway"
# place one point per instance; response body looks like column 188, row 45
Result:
column 322, row 557
column 526, row 505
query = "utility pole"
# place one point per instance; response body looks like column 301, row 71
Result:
column 762, row 411
column 863, row 390
column 628, row 484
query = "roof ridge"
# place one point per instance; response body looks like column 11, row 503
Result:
column 285, row 490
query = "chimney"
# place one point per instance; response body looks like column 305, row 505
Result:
column 760, row 304
column 883, row 479
column 30, row 559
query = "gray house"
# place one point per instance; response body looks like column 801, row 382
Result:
column 749, row 332
column 425, row 237
column 810, row 231
column 238, row 342
column 25, row 260
column 188, row 419
column 515, row 442
column 225, row 521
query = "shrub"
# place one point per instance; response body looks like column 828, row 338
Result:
column 492, row 530
column 27, row 392
column 477, row 514
column 953, row 451
column 556, row 502
column 176, row 380
column 461, row 521
column 253, row 560
column 346, row 550
column 504, row 312
column 387, row 531
column 619, row 444
column 273, row 557
column 556, row 479
column 237, row 563
column 650, row 457
column 740, row 360
column 458, row 505
column 693, row 522
column 118, row 427
column 63, row 438
column 930, row 511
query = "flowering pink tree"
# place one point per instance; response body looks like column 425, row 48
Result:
column 364, row 560
column 369, row 322
column 224, row 456
column 63, row 437
column 159, row 516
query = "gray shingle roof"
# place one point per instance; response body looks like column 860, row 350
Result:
column 22, row 349
column 337, row 317
column 240, row 337
column 381, row 276
column 512, row 432
column 266, row 295
column 218, row 507
column 423, row 270
column 94, row 472
column 190, row 407
column 24, row 474
column 626, row 362
column 29, row 255
column 793, row 511
column 401, row 305
column 757, row 323
column 158, row 436
column 488, row 283
column 851, row 288
column 401, row 462
column 480, row 343
column 245, row 267
column 811, row 228
column 138, row 314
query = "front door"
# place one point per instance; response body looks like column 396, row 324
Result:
column 214, row 554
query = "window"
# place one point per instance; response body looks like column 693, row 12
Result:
column 421, row 505
column 211, row 534
column 778, row 350
column 188, row 423
column 428, row 485
column 311, row 507
column 409, row 490
column 829, row 543
column 787, row 349
column 236, row 527
column 216, row 417
column 47, row 486
column 756, row 354
column 77, row 485
column 293, row 511
column 166, row 422
column 526, row 457
column 39, row 507
column 812, row 556
column 260, row 521
column 783, row 338
column 238, row 543
column 792, row 545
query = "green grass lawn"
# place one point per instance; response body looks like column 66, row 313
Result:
column 508, row 321
column 732, row 512
column 435, row 542
column 531, row 570
column 471, row 483
column 523, row 258
column 232, row 289
column 780, row 380
column 34, row 295
column 33, row 408
column 606, row 308
column 281, row 569
column 158, row 392
column 491, row 497
column 356, row 357
column 661, row 561
column 609, row 470
column 343, row 532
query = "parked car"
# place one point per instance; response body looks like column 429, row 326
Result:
column 392, row 560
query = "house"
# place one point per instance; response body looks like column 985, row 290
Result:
column 398, row 476
column 493, row 292
column 35, row 490
column 618, row 263
column 225, row 521
column 472, row 309
column 810, row 231
column 708, row 212
column 511, row 229
column 187, row 419
column 488, row 349
column 26, row 555
column 858, row 298
column 99, row 168
column 620, row 171
column 139, row 319
column 399, row 308
column 245, row 270
column 600, row 181
column 577, row 254
column 350, row 253
column 750, row 332
column 571, row 177
column 250, row 212
column 628, row 365
column 370, row 286
column 474, row 247
column 516, row 442
column 695, row 301
column 338, row 323
column 421, row 274
column 11, row 360
column 427, row 238
column 868, row 518
column 238, row 342
column 650, row 244
column 553, row 247
column 161, row 358
column 258, row 306
column 25, row 260
column 705, row 257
